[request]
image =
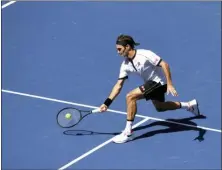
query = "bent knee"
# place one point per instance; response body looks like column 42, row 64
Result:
column 131, row 96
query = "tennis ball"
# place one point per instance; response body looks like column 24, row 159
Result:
column 68, row 116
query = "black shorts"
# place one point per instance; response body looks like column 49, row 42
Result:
column 154, row 91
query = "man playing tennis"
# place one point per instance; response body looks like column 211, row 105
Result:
column 157, row 81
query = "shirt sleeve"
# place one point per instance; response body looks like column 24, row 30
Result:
column 152, row 57
column 123, row 72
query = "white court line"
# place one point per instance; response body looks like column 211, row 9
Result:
column 7, row 4
column 114, row 111
column 96, row 148
column 63, row 101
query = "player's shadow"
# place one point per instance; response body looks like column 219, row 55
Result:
column 173, row 125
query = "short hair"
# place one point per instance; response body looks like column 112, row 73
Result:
column 126, row 39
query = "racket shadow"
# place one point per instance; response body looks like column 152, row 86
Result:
column 173, row 127
column 87, row 133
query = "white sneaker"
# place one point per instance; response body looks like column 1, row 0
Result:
column 123, row 137
column 193, row 107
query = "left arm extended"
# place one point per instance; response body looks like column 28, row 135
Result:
column 166, row 70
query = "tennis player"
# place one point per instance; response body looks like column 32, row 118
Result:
column 156, row 75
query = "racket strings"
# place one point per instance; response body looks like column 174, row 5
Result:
column 68, row 117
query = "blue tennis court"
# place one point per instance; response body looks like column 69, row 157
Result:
column 59, row 54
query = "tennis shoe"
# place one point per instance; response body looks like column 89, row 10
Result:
column 193, row 107
column 123, row 137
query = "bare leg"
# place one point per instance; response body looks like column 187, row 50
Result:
column 131, row 100
column 164, row 106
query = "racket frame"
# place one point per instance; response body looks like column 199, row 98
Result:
column 79, row 111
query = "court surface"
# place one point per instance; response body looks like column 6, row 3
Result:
column 59, row 54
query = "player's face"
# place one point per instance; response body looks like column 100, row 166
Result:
column 122, row 51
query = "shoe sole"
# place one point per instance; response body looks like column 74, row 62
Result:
column 130, row 139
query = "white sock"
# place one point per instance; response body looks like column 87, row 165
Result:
column 184, row 105
column 128, row 127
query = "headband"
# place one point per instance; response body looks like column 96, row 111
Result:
column 125, row 42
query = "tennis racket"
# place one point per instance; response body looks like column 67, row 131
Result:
column 69, row 116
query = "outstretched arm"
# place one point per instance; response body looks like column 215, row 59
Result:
column 116, row 89
column 114, row 93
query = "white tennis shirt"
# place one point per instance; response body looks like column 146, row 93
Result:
column 145, row 64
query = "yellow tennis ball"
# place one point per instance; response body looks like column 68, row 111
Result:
column 68, row 116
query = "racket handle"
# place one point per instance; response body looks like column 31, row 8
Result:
column 96, row 110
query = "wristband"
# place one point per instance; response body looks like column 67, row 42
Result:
column 108, row 102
